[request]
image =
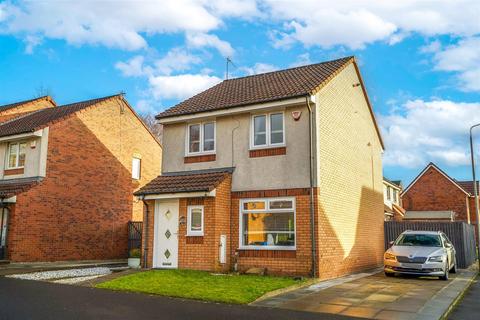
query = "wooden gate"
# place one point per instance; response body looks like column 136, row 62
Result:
column 3, row 232
column 461, row 234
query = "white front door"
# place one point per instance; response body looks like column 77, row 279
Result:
column 165, row 254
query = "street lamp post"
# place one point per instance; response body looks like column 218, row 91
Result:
column 475, row 189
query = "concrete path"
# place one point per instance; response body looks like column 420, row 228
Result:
column 377, row 297
column 25, row 299
column 469, row 307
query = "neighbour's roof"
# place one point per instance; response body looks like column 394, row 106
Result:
column 394, row 183
column 260, row 88
column 468, row 186
column 11, row 187
column 39, row 119
column 186, row 181
column 19, row 103
column 428, row 215
column 468, row 191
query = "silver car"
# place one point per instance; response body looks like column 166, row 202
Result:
column 426, row 253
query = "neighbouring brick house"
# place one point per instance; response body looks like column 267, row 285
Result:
column 67, row 174
column 392, row 201
column 434, row 195
column 280, row 170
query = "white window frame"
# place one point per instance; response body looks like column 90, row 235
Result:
column 268, row 131
column 201, row 151
column 139, row 168
column 7, row 160
column 267, row 209
column 196, row 233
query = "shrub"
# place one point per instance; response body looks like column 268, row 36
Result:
column 135, row 253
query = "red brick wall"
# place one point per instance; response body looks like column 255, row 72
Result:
column 433, row 191
column 81, row 209
column 284, row 262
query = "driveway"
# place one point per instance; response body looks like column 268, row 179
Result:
column 377, row 296
column 26, row 299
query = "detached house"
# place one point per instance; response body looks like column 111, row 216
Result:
column 67, row 174
column 434, row 195
column 280, row 170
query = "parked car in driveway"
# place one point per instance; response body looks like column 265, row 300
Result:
column 426, row 253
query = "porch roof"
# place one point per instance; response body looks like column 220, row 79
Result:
column 12, row 187
column 185, row 181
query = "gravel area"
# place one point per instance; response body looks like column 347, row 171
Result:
column 59, row 274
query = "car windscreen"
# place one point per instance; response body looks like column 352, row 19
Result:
column 419, row 240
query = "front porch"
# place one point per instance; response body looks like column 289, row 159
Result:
column 193, row 220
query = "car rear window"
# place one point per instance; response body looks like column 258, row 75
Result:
column 419, row 240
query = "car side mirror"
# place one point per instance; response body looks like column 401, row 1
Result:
column 391, row 243
column 448, row 245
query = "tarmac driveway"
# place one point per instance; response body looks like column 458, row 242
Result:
column 376, row 296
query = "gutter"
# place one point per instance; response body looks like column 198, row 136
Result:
column 312, row 208
column 145, row 243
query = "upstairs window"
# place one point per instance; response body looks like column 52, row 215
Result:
column 201, row 138
column 136, row 168
column 395, row 196
column 389, row 193
column 268, row 130
column 16, row 155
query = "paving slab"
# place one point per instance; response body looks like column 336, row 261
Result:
column 376, row 296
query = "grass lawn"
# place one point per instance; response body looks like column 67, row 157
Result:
column 199, row 285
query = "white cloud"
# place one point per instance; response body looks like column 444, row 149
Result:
column 200, row 40
column 355, row 23
column 180, row 86
column 432, row 47
column 133, row 67
column 462, row 58
column 31, row 41
column 176, row 59
column 119, row 24
column 259, row 68
column 422, row 131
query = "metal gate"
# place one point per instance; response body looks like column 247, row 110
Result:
column 3, row 232
column 134, row 235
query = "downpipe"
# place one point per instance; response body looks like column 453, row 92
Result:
column 312, row 208
column 145, row 243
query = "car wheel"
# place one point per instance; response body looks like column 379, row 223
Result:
column 454, row 268
column 445, row 275
column 389, row 274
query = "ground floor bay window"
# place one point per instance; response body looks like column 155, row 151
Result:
column 267, row 223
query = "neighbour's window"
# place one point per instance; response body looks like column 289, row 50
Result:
column 195, row 221
column 395, row 199
column 136, row 168
column 389, row 196
column 16, row 155
column 268, row 130
column 268, row 223
column 201, row 138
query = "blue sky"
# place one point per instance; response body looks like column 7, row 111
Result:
column 419, row 59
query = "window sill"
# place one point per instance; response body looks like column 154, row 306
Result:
column 271, row 253
column 200, row 158
column 14, row 171
column 268, row 248
column 268, row 152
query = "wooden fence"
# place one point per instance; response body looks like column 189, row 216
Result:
column 461, row 234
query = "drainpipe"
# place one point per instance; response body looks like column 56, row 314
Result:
column 312, row 208
column 145, row 243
